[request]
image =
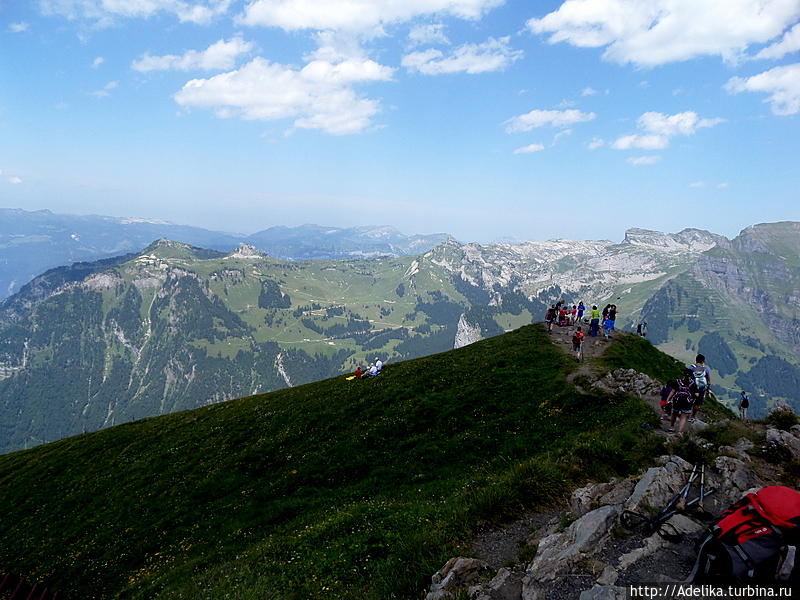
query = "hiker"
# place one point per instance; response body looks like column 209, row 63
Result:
column 701, row 384
column 373, row 370
column 378, row 364
column 550, row 318
column 612, row 318
column 682, row 400
column 577, row 344
column 665, row 403
column 581, row 310
column 359, row 373
column 562, row 317
column 744, row 404
column 644, row 328
column 594, row 324
column 573, row 315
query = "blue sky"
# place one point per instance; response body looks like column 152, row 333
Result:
column 485, row 119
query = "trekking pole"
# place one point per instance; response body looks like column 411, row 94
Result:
column 684, row 493
column 656, row 523
column 702, row 486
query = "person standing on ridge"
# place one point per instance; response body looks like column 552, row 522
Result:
column 581, row 310
column 702, row 383
column 612, row 318
column 594, row 324
column 744, row 404
column 550, row 318
column 577, row 344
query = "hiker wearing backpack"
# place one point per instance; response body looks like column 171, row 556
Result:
column 701, row 384
column 665, row 403
column 577, row 344
column 682, row 401
column 550, row 317
column 581, row 310
column 594, row 324
column 744, row 404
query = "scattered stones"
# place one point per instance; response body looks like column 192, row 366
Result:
column 629, row 381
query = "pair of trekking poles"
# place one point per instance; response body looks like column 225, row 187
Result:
column 679, row 503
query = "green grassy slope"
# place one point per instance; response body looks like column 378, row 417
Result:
column 336, row 489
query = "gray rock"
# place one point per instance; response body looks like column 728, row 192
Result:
column 659, row 484
column 733, row 478
column 605, row 592
column 683, row 525
column 582, row 499
column 795, row 429
column 620, row 492
column 506, row 585
column 652, row 544
column 458, row 572
column 785, row 440
column 560, row 551
column 609, row 576
column 532, row 590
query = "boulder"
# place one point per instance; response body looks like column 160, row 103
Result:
column 683, row 525
column 458, row 572
column 582, row 499
column 652, row 544
column 795, row 429
column 732, row 479
column 609, row 576
column 659, row 484
column 506, row 585
column 784, row 439
column 620, row 492
column 561, row 551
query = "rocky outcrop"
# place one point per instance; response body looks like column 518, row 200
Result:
column 785, row 440
column 466, row 333
column 629, row 381
column 589, row 559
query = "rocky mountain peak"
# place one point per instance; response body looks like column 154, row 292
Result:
column 245, row 251
column 688, row 240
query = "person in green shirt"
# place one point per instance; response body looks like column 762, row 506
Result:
column 594, row 324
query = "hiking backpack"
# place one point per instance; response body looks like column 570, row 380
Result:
column 699, row 374
column 683, row 399
column 755, row 540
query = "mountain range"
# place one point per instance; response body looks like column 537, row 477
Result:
column 177, row 326
column 34, row 241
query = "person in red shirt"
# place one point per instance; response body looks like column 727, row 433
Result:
column 577, row 343
column 358, row 372
column 562, row 317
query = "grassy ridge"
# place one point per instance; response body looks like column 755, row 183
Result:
column 335, row 489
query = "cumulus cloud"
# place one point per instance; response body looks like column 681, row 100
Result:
column 697, row 184
column 595, row 143
column 428, row 34
column 15, row 180
column 790, row 42
column 18, row 27
column 529, row 149
column 220, row 55
column 491, row 55
column 655, row 32
column 587, row 91
column 723, row 186
column 639, row 161
column 658, row 129
column 104, row 12
column 318, row 96
column 540, row 118
column 781, row 83
column 98, row 61
column 356, row 15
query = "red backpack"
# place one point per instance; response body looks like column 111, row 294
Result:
column 755, row 540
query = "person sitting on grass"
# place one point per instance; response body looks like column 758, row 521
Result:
column 359, row 373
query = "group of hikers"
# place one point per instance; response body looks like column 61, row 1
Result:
column 373, row 369
column 562, row 315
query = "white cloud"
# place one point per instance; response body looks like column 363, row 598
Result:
column 18, row 27
column 106, row 91
column 723, row 186
column 596, row 143
column 782, row 83
column 554, row 118
column 491, row 55
column 654, row 32
column 356, row 15
column 587, row 91
column 428, row 34
column 318, row 96
column 659, row 129
column 14, row 180
column 638, row 161
column 790, row 42
column 560, row 135
column 697, row 184
column 104, row 12
column 218, row 56
column 98, row 61
column 529, row 149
